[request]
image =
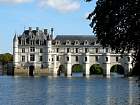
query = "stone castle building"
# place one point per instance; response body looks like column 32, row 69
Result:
column 38, row 52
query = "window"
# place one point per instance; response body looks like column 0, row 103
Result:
column 68, row 50
column 52, row 59
column 23, row 42
column 96, row 58
column 117, row 59
column 57, row 50
column 106, row 58
column 86, row 50
column 41, row 50
column 32, row 49
column 76, row 58
column 57, row 58
column 40, row 58
column 76, row 42
column 96, row 50
column 67, row 58
column 32, row 57
column 23, row 50
column 76, row 50
column 85, row 58
column 106, row 50
column 86, row 42
column 23, row 58
column 128, row 59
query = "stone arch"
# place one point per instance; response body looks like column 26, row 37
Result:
column 61, row 70
column 96, row 69
column 31, row 70
column 76, row 68
column 118, row 69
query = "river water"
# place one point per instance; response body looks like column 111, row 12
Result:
column 95, row 90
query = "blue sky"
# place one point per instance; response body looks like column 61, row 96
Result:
column 65, row 16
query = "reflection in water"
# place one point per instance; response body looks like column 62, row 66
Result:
column 95, row 90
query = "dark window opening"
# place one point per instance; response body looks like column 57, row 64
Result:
column 76, row 58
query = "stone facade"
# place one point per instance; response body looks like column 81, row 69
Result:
column 38, row 48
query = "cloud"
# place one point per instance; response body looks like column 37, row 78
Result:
column 14, row 1
column 61, row 5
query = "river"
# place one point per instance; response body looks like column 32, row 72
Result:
column 77, row 90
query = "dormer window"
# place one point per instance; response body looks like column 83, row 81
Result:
column 57, row 42
column 86, row 42
column 67, row 42
column 76, row 42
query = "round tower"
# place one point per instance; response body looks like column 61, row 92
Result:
column 15, row 51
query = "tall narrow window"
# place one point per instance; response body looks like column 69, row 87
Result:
column 117, row 59
column 106, row 50
column 57, row 58
column 96, row 50
column 85, row 59
column 76, row 50
column 41, row 50
column 76, row 58
column 57, row 50
column 68, row 50
column 32, row 57
column 23, row 50
column 128, row 59
column 96, row 58
column 40, row 59
column 86, row 50
column 23, row 58
column 106, row 58
column 67, row 58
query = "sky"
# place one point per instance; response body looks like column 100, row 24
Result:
column 67, row 17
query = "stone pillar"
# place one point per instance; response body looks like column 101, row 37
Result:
column 86, row 65
column 107, row 64
column 68, row 64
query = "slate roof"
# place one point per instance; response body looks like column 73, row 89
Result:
column 72, row 38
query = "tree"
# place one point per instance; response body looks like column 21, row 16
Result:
column 116, row 23
column 5, row 58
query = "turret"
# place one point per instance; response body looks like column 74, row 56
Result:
column 15, row 50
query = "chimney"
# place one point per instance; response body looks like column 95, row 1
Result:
column 45, row 31
column 52, row 31
column 30, row 28
column 37, row 28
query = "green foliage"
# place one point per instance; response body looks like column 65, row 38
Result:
column 5, row 58
column 96, row 69
column 77, row 68
column 116, row 23
column 118, row 69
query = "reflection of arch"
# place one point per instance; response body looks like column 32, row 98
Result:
column 96, row 69
column 61, row 70
column 76, row 68
column 31, row 70
column 117, row 68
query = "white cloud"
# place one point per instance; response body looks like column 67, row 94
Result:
column 14, row 1
column 61, row 5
